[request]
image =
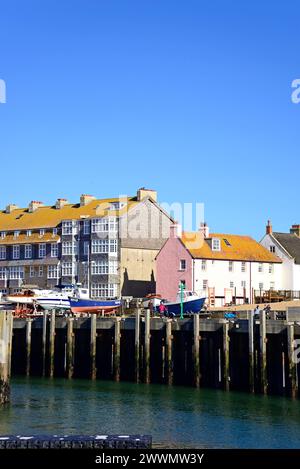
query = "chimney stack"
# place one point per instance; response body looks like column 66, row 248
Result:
column 175, row 230
column 86, row 199
column 34, row 205
column 269, row 229
column 60, row 203
column 204, row 230
column 10, row 208
column 143, row 192
column 295, row 229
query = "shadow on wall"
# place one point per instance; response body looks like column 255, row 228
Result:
column 138, row 288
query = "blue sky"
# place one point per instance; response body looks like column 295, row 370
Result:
column 192, row 98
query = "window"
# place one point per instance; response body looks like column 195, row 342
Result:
column 16, row 273
column 226, row 242
column 113, row 246
column 230, row 266
column 100, row 267
column 261, row 286
column 3, row 273
column 260, row 267
column 113, row 267
column 28, row 233
column 41, row 271
column 104, row 290
column 69, row 227
column 100, row 225
column 68, row 269
column 16, row 234
column 32, row 272
column 203, row 265
column 3, row 234
column 216, row 244
column 2, row 253
column 231, row 284
column 53, row 271
column 16, row 252
column 86, row 248
column 54, row 231
column 113, row 224
column 272, row 249
column 28, row 251
column 86, row 227
column 69, row 248
column 243, row 267
column 182, row 264
column 272, row 285
column 42, row 232
column 42, row 250
column 204, row 284
column 100, row 246
column 271, row 268
column 243, row 284
column 54, row 250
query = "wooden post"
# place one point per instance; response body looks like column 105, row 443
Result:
column 251, row 351
column 292, row 363
column 10, row 338
column 196, row 350
column 70, row 348
column 52, row 343
column 5, row 332
column 44, row 341
column 137, row 345
column 147, row 346
column 169, row 351
column 93, row 346
column 117, row 348
column 226, row 340
column 263, row 352
column 28, row 345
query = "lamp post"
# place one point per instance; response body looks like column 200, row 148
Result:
column 181, row 286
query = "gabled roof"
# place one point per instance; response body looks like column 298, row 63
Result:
column 291, row 243
column 49, row 216
column 233, row 247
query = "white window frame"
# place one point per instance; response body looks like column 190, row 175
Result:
column 42, row 250
column 86, row 227
column 271, row 268
column 216, row 244
column 3, row 273
column 32, row 271
column 54, row 250
column 2, row 253
column 243, row 267
column 203, row 265
column 41, row 271
column 16, row 251
column 260, row 268
column 28, row 251
column 53, row 271
column 16, row 272
column 230, row 266
column 3, row 234
column 86, row 248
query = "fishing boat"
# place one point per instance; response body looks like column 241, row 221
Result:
column 191, row 303
column 27, row 297
column 59, row 298
column 86, row 305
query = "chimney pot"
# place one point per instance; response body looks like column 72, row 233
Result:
column 269, row 229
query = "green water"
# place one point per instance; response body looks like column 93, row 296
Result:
column 174, row 416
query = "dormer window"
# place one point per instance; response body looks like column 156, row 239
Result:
column 16, row 234
column 42, row 232
column 216, row 244
column 54, row 231
column 28, row 233
column 3, row 234
column 117, row 205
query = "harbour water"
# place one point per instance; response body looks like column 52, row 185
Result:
column 176, row 417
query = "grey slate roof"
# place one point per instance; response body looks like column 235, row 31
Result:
column 291, row 243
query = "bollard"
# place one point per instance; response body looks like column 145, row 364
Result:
column 93, row 346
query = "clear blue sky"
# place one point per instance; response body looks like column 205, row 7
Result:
column 192, row 98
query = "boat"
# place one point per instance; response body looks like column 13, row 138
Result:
column 59, row 298
column 86, row 305
column 152, row 300
column 192, row 303
column 27, row 297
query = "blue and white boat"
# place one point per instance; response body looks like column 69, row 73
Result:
column 86, row 305
column 60, row 297
column 192, row 303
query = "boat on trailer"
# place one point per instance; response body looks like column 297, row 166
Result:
column 191, row 302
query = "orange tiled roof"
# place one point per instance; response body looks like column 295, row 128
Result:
column 49, row 216
column 240, row 248
column 33, row 238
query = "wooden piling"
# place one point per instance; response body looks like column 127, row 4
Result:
column 5, row 332
column 28, row 345
column 137, row 345
column 93, row 346
column 169, row 351
column 117, row 349
column 44, row 342
column 147, row 347
column 196, row 350
column 10, row 339
column 263, row 352
column 52, row 344
column 292, row 363
column 251, row 352
column 226, row 368
column 70, row 349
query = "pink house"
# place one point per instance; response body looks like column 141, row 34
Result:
column 174, row 264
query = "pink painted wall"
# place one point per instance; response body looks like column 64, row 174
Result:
column 168, row 274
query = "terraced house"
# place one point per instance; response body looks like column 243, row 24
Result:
column 108, row 245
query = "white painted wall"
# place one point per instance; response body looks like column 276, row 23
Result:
column 219, row 277
column 289, row 271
